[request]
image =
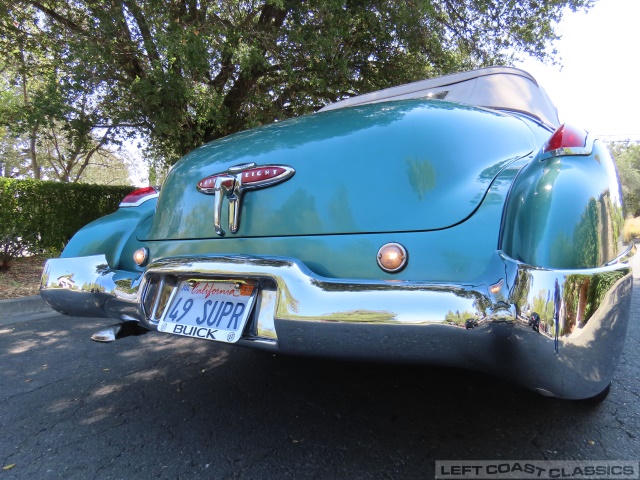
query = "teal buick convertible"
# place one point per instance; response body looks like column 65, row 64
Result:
column 452, row 221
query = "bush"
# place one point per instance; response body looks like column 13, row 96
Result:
column 42, row 216
column 12, row 245
column 631, row 229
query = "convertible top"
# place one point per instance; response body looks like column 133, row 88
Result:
column 505, row 88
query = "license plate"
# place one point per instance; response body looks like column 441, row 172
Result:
column 213, row 310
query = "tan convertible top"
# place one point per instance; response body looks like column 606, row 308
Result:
column 505, row 88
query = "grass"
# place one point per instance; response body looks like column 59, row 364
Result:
column 631, row 228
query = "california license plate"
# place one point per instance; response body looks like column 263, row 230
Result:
column 213, row 310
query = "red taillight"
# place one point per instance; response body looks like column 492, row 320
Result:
column 567, row 136
column 139, row 196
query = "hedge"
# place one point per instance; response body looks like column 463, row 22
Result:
column 45, row 215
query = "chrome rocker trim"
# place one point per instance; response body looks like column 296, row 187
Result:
column 572, row 353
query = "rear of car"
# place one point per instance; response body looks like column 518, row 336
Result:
column 399, row 226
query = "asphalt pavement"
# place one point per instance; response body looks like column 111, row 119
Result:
column 158, row 406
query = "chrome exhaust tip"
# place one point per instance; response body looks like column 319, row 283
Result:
column 118, row 331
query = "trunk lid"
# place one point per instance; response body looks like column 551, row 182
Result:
column 389, row 167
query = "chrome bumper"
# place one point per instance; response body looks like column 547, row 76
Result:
column 572, row 353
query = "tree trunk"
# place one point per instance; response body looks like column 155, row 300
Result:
column 32, row 135
column 32, row 154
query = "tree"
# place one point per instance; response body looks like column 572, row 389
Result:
column 23, row 64
column 44, row 144
column 189, row 71
column 50, row 109
column 90, row 162
column 627, row 157
column 10, row 157
column 108, row 168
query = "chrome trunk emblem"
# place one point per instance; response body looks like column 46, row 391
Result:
column 234, row 182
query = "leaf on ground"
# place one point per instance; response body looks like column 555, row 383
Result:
column 9, row 467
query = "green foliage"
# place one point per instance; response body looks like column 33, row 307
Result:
column 543, row 306
column 627, row 158
column 586, row 237
column 187, row 72
column 521, row 290
column 588, row 291
column 598, row 288
column 49, row 103
column 43, row 216
column 12, row 244
column 573, row 294
column 10, row 158
column 458, row 317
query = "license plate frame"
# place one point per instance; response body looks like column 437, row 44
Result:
column 211, row 309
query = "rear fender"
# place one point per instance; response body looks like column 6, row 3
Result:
column 115, row 236
column 565, row 210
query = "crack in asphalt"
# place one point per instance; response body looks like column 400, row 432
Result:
column 43, row 386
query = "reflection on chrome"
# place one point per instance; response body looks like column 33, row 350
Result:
column 558, row 332
column 562, row 311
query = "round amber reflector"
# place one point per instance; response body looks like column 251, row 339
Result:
column 141, row 255
column 392, row 257
column 496, row 287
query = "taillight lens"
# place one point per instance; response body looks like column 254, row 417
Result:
column 139, row 196
column 566, row 136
